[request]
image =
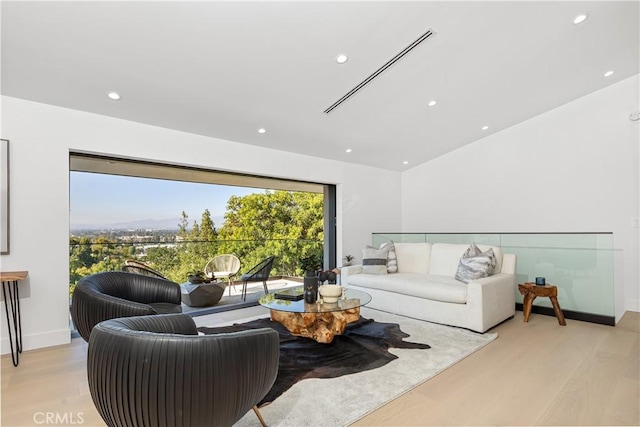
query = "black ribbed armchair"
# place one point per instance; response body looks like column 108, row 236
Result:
column 157, row 371
column 114, row 294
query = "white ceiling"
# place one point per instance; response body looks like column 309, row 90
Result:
column 225, row 69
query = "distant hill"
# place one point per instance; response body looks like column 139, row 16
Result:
column 142, row 224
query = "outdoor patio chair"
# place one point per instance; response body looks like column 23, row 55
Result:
column 138, row 267
column 259, row 273
column 157, row 370
column 114, row 294
column 223, row 267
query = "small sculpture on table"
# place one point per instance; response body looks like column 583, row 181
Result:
column 330, row 293
column 330, row 276
column 196, row 277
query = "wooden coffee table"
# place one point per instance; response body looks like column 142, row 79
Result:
column 318, row 321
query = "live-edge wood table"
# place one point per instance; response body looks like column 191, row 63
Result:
column 530, row 291
column 10, row 281
column 318, row 321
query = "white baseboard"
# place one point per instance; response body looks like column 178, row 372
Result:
column 35, row 341
column 632, row 304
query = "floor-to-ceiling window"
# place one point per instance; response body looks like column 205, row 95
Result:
column 176, row 218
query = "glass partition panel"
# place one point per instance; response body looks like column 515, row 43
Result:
column 581, row 265
column 479, row 239
column 380, row 238
column 602, row 241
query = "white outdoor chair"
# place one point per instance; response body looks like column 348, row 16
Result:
column 223, row 267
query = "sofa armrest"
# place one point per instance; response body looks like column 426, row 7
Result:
column 496, row 280
column 494, row 296
column 346, row 271
column 500, row 283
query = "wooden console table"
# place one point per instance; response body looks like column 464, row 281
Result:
column 530, row 291
column 10, row 281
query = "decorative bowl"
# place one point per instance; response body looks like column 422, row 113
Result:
column 330, row 293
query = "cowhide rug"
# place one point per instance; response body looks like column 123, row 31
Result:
column 363, row 347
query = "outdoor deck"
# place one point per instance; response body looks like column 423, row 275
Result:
column 234, row 301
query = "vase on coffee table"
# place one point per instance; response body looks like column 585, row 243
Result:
column 310, row 287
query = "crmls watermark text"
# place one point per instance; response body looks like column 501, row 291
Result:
column 59, row 418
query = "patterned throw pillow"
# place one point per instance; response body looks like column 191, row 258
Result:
column 475, row 264
column 374, row 261
column 392, row 259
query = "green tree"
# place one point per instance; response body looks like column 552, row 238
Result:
column 183, row 226
column 207, row 237
column 208, row 231
column 80, row 256
column 286, row 224
column 163, row 259
column 89, row 256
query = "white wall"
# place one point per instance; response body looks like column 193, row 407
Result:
column 41, row 137
column 571, row 169
column 574, row 168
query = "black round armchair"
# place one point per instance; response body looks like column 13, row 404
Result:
column 114, row 294
column 157, row 370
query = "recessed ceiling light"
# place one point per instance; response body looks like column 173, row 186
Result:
column 609, row 73
column 432, row 103
column 342, row 58
column 113, row 95
column 262, row 130
column 348, row 150
column 485, row 127
column 580, row 18
column 405, row 162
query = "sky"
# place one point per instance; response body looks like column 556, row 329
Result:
column 100, row 199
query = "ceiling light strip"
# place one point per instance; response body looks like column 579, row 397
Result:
column 380, row 70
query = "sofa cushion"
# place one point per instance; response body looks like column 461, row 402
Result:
column 475, row 264
column 414, row 257
column 438, row 288
column 374, row 261
column 445, row 257
column 392, row 259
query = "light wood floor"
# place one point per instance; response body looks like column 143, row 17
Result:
column 538, row 373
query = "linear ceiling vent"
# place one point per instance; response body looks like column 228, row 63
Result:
column 380, row 70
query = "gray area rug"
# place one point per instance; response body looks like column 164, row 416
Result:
column 343, row 400
column 363, row 346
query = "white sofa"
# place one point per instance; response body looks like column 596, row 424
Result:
column 425, row 287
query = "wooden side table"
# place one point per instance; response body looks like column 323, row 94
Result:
column 530, row 291
column 10, row 281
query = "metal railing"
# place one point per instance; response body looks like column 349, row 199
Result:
column 176, row 259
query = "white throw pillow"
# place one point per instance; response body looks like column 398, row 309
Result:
column 392, row 258
column 374, row 261
column 475, row 264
